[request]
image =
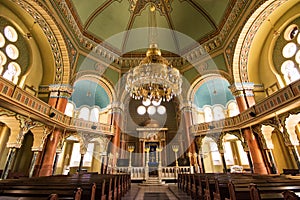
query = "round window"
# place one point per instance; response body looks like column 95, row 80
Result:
column 289, row 50
column 151, row 110
column 141, row 110
column 161, row 110
column 2, row 40
column 12, row 51
column 3, row 58
column 10, row 34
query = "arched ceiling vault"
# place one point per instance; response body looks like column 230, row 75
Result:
column 200, row 20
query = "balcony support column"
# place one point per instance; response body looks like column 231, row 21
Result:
column 59, row 95
column 244, row 96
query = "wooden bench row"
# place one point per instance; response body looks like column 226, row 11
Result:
column 222, row 186
column 78, row 187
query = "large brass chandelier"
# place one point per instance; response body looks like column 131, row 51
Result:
column 154, row 78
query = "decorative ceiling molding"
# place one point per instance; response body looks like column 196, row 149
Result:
column 108, row 54
column 163, row 6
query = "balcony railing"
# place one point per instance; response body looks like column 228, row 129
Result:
column 287, row 98
column 17, row 100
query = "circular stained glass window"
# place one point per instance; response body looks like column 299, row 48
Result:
column 297, row 57
column 291, row 32
column 141, row 110
column 287, row 66
column 289, row 50
column 2, row 40
column 12, row 51
column 161, row 110
column 13, row 67
column 3, row 58
column 151, row 110
column 10, row 34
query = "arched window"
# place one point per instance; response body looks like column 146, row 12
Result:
column 218, row 113
column 9, row 53
column 69, row 109
column 233, row 109
column 12, row 73
column 94, row 116
column 208, row 116
column 84, row 113
column 291, row 53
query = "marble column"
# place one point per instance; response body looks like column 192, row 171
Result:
column 250, row 161
column 115, row 142
column 9, row 161
column 80, row 163
column 32, row 164
column 58, row 99
column 4, row 135
column 223, row 162
column 55, row 162
column 244, row 96
column 272, row 161
column 187, row 113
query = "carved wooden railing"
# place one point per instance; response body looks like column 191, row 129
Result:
column 284, row 100
column 17, row 100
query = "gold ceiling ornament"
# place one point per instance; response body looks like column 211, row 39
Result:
column 164, row 6
column 154, row 78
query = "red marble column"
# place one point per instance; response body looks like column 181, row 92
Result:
column 117, row 124
column 58, row 99
column 187, row 113
column 245, row 99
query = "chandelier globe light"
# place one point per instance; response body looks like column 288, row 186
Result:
column 154, row 78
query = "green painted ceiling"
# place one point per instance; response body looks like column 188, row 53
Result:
column 197, row 19
column 213, row 92
column 90, row 94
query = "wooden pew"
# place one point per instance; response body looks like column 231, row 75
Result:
column 92, row 186
column 271, row 191
column 38, row 193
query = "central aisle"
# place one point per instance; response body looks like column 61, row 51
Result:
column 164, row 192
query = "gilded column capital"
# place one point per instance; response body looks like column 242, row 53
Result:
column 237, row 89
column 60, row 90
column 186, row 106
column 117, row 107
column 242, row 89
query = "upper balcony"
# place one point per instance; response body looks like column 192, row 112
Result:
column 284, row 100
column 19, row 101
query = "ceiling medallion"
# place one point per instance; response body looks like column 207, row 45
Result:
column 164, row 6
column 154, row 78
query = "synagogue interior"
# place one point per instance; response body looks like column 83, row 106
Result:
column 155, row 89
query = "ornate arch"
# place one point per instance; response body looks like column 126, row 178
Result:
column 105, row 84
column 247, row 35
column 54, row 35
column 196, row 84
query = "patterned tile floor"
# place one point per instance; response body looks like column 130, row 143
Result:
column 164, row 192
